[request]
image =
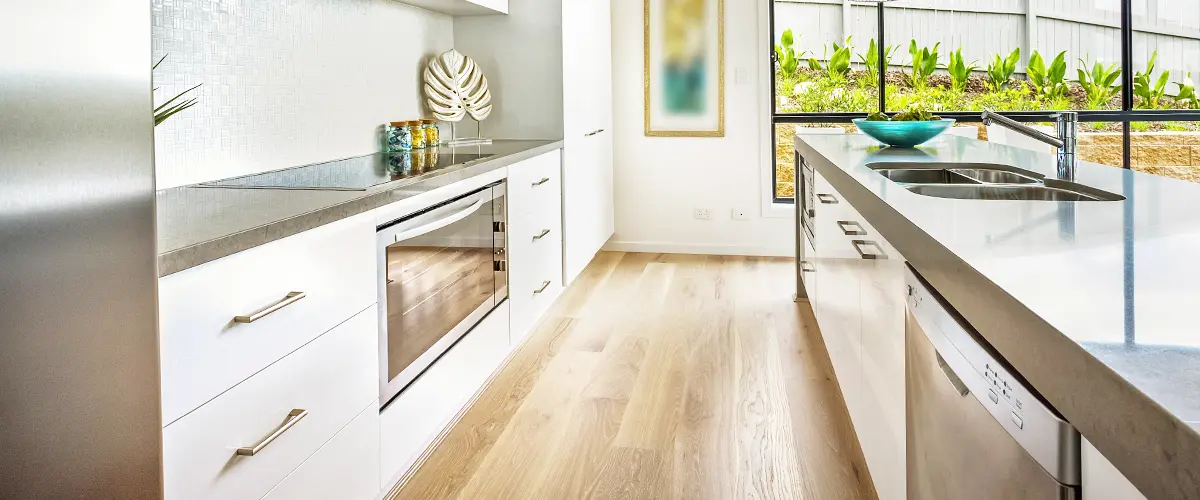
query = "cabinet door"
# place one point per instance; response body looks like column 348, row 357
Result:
column 588, row 214
column 881, row 429
column 587, row 66
column 837, row 311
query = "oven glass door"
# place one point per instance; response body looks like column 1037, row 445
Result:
column 443, row 271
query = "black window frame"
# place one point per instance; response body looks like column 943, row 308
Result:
column 1125, row 115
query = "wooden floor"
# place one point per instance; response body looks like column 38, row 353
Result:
column 659, row 376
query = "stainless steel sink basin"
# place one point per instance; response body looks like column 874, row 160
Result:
column 954, row 173
column 985, row 181
column 1039, row 192
column 989, row 176
column 925, row 176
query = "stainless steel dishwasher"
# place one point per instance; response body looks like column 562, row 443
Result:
column 975, row 430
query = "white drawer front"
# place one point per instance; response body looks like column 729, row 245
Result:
column 533, row 263
column 418, row 414
column 333, row 378
column 535, row 183
column 346, row 468
column 205, row 352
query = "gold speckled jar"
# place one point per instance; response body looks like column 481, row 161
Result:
column 433, row 136
column 418, row 134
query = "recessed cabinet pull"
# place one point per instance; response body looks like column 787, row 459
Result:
column 851, row 228
column 858, row 247
column 827, row 198
column 541, row 235
column 293, row 417
column 594, row 132
column 543, row 181
column 807, row 267
column 289, row 299
column 545, row 285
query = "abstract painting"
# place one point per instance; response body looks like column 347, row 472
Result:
column 684, row 68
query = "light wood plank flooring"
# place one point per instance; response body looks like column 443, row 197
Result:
column 659, row 376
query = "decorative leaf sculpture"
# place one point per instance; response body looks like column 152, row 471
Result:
column 455, row 86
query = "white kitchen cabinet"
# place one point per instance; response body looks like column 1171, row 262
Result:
column 1100, row 478
column 588, row 214
column 588, row 211
column 462, row 7
column 535, row 240
column 345, row 468
column 301, row 401
column 535, row 268
column 205, row 350
column 860, row 308
column 418, row 415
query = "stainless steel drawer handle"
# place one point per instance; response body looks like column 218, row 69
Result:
column 541, row 234
column 545, row 285
column 293, row 417
column 289, row 299
column 594, row 132
column 827, row 198
column 858, row 247
column 851, row 228
column 807, row 267
column 543, row 181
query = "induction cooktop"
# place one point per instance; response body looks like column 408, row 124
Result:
column 352, row 174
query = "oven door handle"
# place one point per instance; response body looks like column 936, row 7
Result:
column 442, row 222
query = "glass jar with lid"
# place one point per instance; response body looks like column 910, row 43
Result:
column 398, row 136
column 433, row 136
column 418, row 135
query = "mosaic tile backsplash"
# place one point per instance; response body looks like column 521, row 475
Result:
column 286, row 82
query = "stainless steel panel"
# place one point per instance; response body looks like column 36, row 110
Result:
column 974, row 429
column 79, row 375
column 956, row 449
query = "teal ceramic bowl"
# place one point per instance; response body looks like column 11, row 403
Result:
column 903, row 134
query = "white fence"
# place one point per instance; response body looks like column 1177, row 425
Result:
column 1088, row 29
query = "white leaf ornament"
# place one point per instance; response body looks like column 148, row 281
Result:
column 455, row 86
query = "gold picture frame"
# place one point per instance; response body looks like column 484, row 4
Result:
column 720, row 73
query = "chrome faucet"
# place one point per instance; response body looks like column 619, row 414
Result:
column 1066, row 126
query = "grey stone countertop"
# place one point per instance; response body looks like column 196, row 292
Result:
column 1096, row 304
column 201, row 224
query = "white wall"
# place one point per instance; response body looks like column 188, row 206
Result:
column 659, row 181
column 286, row 82
column 524, row 72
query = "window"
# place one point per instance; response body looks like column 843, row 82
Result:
column 957, row 59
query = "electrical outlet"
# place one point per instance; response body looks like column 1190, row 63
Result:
column 702, row 214
column 740, row 214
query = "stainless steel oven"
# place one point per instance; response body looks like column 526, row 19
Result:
column 806, row 197
column 805, row 211
column 443, row 269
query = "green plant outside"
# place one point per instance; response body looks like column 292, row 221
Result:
column 1002, row 69
column 833, row 85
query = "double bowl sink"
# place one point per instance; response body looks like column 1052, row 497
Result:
column 985, row 181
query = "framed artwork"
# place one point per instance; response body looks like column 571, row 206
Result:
column 684, row 68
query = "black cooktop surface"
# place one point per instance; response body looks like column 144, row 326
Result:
column 352, row 174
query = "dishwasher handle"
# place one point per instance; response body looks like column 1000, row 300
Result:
column 953, row 378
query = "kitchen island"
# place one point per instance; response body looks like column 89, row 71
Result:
column 1091, row 302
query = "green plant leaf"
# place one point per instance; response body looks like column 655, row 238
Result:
column 1036, row 70
column 787, row 39
column 173, row 99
